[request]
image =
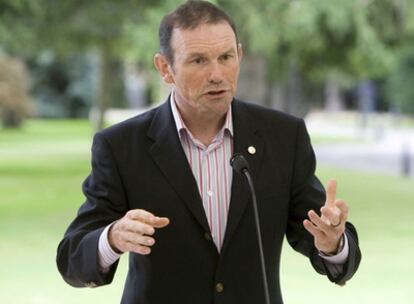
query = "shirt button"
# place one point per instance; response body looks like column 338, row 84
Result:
column 219, row 287
column 210, row 193
column 207, row 236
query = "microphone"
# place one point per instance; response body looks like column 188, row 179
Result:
column 240, row 165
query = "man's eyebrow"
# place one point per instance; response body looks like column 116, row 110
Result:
column 230, row 50
column 197, row 54
column 191, row 55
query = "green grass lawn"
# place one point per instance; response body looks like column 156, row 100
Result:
column 41, row 171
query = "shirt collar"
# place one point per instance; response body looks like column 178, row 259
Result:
column 180, row 124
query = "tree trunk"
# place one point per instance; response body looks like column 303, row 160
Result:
column 275, row 97
column 294, row 89
column 103, row 89
column 333, row 98
column 367, row 100
column 10, row 118
column 268, row 96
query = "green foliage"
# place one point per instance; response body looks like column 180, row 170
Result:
column 349, row 40
column 320, row 37
column 69, row 25
column 400, row 90
column 141, row 39
column 348, row 35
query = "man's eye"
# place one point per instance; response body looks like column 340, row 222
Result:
column 199, row 60
column 226, row 57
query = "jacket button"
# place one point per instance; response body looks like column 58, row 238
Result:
column 219, row 287
column 207, row 236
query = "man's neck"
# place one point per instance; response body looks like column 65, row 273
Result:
column 202, row 128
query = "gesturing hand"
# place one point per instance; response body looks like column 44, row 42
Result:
column 328, row 228
column 133, row 232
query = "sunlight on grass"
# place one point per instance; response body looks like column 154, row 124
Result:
column 41, row 171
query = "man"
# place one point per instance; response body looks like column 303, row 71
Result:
column 162, row 189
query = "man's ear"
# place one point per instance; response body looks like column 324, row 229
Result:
column 162, row 65
column 239, row 51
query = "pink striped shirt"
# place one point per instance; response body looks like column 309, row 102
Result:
column 211, row 169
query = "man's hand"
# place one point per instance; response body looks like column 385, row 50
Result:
column 328, row 229
column 133, row 232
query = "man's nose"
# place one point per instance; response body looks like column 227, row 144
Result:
column 215, row 73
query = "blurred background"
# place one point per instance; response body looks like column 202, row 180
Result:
column 69, row 68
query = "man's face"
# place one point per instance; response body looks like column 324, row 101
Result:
column 205, row 69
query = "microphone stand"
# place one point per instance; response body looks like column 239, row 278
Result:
column 240, row 165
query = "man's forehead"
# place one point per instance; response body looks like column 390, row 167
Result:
column 205, row 36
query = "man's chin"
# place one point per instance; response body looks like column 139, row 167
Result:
column 219, row 108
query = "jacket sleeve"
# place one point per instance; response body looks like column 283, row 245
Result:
column 307, row 193
column 77, row 253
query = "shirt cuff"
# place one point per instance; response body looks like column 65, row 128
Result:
column 341, row 256
column 107, row 256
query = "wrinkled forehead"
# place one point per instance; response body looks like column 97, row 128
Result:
column 205, row 38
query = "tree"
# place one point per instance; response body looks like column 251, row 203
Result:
column 305, row 45
column 72, row 25
column 399, row 89
column 15, row 103
column 316, row 42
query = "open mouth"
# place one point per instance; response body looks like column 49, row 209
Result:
column 216, row 93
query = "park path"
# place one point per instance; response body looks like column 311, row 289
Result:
column 380, row 147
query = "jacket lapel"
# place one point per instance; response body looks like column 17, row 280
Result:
column 168, row 154
column 246, row 135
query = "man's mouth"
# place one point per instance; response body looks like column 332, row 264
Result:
column 216, row 92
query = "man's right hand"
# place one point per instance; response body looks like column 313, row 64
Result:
column 133, row 232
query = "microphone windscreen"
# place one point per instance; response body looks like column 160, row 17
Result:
column 239, row 163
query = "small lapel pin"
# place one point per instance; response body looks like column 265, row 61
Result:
column 251, row 150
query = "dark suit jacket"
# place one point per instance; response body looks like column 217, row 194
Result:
column 140, row 163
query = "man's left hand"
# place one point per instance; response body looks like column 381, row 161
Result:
column 328, row 228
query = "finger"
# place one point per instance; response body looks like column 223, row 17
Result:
column 141, row 215
column 325, row 219
column 331, row 193
column 312, row 229
column 148, row 218
column 138, row 239
column 332, row 215
column 143, row 250
column 137, row 227
column 342, row 205
column 317, row 221
column 160, row 222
